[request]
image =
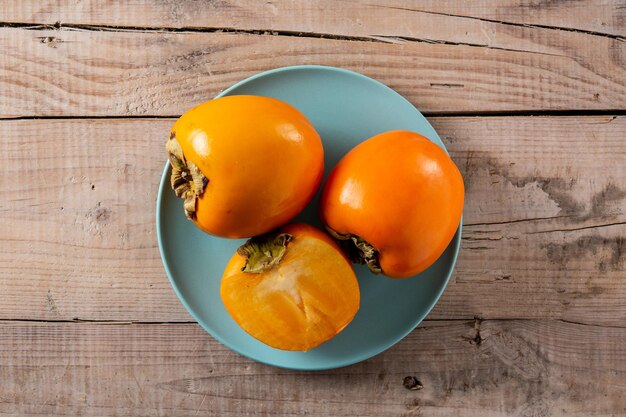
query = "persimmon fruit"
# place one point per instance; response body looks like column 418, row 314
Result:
column 292, row 289
column 395, row 201
column 244, row 165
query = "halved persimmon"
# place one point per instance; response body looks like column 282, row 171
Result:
column 292, row 289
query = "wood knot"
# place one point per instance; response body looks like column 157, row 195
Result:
column 51, row 41
column 412, row 383
column 475, row 339
column 99, row 214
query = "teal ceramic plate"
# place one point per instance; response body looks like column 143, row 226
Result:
column 345, row 108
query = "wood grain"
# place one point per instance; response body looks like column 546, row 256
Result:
column 493, row 368
column 543, row 238
column 121, row 72
column 542, row 260
column 391, row 17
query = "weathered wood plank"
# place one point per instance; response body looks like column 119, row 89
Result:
column 392, row 17
column 520, row 368
column 544, row 235
column 71, row 72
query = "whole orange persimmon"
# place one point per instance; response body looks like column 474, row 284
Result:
column 244, row 165
column 292, row 289
column 396, row 201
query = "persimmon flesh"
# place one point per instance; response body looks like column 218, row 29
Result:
column 292, row 289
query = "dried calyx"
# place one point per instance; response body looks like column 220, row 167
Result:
column 358, row 250
column 187, row 181
column 264, row 252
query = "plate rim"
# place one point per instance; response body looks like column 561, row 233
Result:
column 352, row 359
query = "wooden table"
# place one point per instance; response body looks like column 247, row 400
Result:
column 529, row 97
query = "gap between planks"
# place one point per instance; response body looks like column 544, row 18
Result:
column 386, row 39
column 540, row 113
column 371, row 38
column 504, row 22
column 424, row 323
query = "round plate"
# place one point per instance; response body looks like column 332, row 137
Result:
column 345, row 108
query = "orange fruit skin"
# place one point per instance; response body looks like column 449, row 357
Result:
column 401, row 193
column 264, row 161
column 305, row 300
